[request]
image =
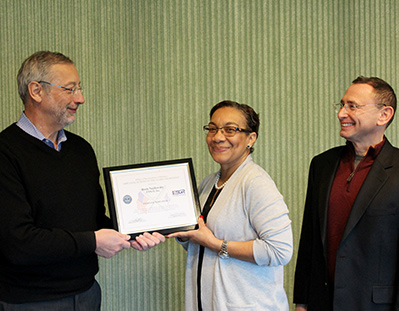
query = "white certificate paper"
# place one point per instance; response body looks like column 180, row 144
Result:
column 160, row 196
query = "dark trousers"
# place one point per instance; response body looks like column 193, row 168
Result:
column 89, row 300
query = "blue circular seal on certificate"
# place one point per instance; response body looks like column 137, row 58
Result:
column 127, row 199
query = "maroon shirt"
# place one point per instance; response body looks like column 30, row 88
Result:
column 346, row 186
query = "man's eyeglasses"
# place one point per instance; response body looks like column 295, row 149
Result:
column 228, row 131
column 72, row 91
column 351, row 107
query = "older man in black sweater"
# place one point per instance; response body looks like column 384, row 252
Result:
column 52, row 211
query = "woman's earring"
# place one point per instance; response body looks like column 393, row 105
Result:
column 248, row 147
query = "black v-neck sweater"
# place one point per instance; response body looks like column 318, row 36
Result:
column 50, row 205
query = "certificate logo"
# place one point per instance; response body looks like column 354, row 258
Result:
column 179, row 192
column 127, row 199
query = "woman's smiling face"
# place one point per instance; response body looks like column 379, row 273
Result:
column 229, row 152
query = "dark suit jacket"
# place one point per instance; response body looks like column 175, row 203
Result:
column 367, row 267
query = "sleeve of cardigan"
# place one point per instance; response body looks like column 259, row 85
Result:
column 268, row 215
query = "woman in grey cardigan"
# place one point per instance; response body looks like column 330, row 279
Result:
column 236, row 256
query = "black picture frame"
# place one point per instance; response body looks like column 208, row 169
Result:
column 157, row 207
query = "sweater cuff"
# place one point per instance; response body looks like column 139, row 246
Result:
column 85, row 242
column 183, row 243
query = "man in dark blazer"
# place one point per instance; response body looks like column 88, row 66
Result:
column 348, row 255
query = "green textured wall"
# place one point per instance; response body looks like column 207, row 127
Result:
column 152, row 70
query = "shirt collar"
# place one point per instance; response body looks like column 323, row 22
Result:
column 27, row 126
column 372, row 152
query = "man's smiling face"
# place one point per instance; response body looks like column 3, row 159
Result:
column 359, row 126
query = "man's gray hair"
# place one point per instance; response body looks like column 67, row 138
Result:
column 37, row 68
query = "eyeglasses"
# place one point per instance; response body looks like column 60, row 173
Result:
column 351, row 107
column 228, row 131
column 72, row 91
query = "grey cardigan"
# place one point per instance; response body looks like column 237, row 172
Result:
column 249, row 208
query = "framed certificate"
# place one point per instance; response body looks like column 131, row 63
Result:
column 149, row 197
